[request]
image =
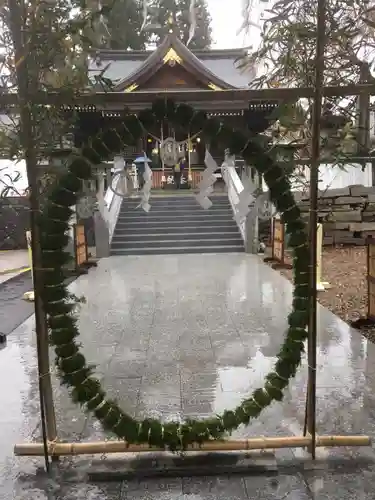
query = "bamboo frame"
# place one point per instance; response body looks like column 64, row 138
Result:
column 310, row 413
column 266, row 443
column 310, row 439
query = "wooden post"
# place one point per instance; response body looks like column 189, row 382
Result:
column 278, row 245
column 363, row 137
column 314, row 180
column 371, row 279
column 320, row 285
column 369, row 319
column 29, row 295
column 82, row 262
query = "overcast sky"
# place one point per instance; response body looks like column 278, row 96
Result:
column 226, row 21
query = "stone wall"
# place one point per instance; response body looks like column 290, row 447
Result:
column 347, row 214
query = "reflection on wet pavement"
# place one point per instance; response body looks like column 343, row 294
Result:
column 191, row 335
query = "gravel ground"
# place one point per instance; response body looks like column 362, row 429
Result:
column 345, row 268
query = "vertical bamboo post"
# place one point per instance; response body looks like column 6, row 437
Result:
column 314, row 178
column 363, row 105
column 27, row 84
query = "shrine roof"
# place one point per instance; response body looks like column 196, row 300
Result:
column 219, row 68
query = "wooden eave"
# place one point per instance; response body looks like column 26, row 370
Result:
column 241, row 97
column 185, row 58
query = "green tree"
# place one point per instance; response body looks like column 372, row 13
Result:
column 286, row 58
column 124, row 22
column 162, row 10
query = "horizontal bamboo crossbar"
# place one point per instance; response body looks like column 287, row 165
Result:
column 145, row 97
column 100, row 447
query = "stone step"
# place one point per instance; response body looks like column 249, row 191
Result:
column 170, row 214
column 175, row 209
column 165, row 250
column 189, row 219
column 179, row 200
column 176, row 225
column 125, row 238
column 183, row 243
column 124, row 229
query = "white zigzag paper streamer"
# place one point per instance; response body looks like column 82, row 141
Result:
column 146, row 191
column 208, row 180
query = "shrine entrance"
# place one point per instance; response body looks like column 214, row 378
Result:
column 172, row 67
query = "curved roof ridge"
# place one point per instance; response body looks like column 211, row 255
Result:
column 155, row 61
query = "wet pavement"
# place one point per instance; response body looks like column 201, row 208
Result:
column 12, row 262
column 191, row 335
column 14, row 310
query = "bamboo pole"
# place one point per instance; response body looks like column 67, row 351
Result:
column 314, row 179
column 27, row 82
column 262, row 443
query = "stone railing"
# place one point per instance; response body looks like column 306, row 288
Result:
column 347, row 214
column 248, row 224
column 109, row 205
column 234, row 189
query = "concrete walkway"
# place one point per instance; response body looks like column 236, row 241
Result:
column 191, row 335
column 12, row 263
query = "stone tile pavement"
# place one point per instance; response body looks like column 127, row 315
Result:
column 191, row 335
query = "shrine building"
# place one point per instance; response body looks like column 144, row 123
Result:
column 171, row 68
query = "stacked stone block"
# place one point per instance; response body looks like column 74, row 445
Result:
column 347, row 214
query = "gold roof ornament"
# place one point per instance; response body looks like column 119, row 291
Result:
column 172, row 57
column 131, row 88
column 212, row 86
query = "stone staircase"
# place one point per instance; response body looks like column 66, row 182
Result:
column 176, row 224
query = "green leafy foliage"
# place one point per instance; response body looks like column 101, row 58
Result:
column 286, row 58
column 179, row 9
column 124, row 21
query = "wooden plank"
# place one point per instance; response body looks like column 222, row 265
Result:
column 81, row 255
column 278, row 241
column 278, row 245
